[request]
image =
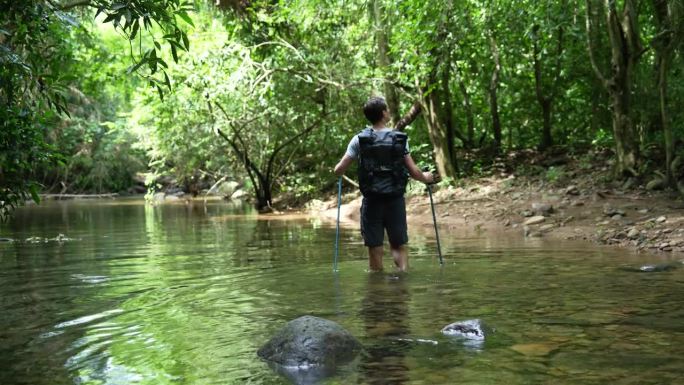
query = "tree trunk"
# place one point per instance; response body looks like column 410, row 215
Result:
column 382, row 39
column 625, row 52
column 663, row 67
column 448, row 114
column 468, row 109
column 436, row 131
column 438, row 111
column 623, row 133
column 263, row 193
column 667, row 17
column 470, row 116
column 493, row 97
column 626, row 49
column 545, row 99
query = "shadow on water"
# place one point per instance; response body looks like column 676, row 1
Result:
column 385, row 314
column 309, row 376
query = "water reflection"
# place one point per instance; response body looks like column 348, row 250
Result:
column 181, row 294
column 385, row 313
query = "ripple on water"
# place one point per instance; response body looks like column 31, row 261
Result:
column 160, row 295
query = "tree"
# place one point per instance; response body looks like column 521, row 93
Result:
column 273, row 90
column 547, row 91
column 426, row 50
column 493, row 89
column 626, row 50
column 263, row 173
column 669, row 17
column 35, row 42
column 380, row 18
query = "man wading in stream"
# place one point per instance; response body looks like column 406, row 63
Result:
column 383, row 169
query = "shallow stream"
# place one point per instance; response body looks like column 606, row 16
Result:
column 186, row 294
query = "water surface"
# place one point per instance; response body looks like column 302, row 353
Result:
column 186, row 294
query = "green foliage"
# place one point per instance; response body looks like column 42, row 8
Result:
column 28, row 85
column 271, row 93
column 602, row 138
column 21, row 148
column 554, row 174
column 257, row 106
column 40, row 87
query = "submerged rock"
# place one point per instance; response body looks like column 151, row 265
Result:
column 536, row 349
column 36, row 240
column 62, row 238
column 660, row 267
column 310, row 342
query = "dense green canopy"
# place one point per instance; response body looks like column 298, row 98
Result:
column 269, row 92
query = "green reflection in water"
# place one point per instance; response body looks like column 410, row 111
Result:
column 185, row 294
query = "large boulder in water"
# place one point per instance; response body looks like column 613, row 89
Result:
column 310, row 342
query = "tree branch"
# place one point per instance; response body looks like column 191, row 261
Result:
column 249, row 165
column 590, row 47
column 410, row 116
column 284, row 164
column 74, row 4
column 537, row 64
column 559, row 59
column 289, row 141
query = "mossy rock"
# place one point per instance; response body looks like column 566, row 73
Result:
column 310, row 341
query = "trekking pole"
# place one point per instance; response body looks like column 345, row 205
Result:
column 337, row 232
column 434, row 220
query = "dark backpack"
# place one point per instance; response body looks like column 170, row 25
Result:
column 382, row 171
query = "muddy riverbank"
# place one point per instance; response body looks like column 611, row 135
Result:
column 581, row 208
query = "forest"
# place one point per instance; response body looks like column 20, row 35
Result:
column 98, row 95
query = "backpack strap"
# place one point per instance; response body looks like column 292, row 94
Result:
column 366, row 136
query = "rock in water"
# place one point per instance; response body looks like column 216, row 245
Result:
column 657, row 268
column 470, row 330
column 308, row 342
column 471, row 333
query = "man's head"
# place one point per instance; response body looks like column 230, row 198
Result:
column 374, row 109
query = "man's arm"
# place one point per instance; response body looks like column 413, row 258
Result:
column 343, row 165
column 414, row 171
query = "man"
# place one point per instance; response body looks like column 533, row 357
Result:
column 384, row 162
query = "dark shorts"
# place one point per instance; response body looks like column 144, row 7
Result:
column 383, row 213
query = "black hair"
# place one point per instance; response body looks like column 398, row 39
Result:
column 374, row 108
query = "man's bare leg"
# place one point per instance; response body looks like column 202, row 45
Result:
column 375, row 258
column 400, row 256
